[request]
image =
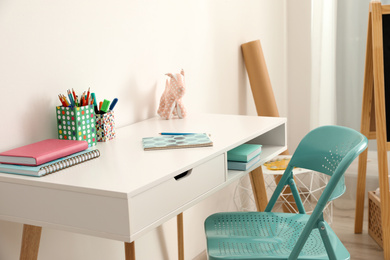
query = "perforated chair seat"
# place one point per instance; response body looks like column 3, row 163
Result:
column 265, row 235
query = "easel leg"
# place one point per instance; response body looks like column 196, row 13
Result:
column 258, row 188
column 129, row 251
column 180, row 236
column 360, row 192
column 380, row 121
column 30, row 242
column 368, row 125
column 384, row 196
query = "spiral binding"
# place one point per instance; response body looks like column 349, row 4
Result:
column 70, row 162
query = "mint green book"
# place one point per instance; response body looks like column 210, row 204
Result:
column 243, row 166
column 244, row 152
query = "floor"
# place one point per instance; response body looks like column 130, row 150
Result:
column 360, row 246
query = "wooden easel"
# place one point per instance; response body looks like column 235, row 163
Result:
column 373, row 124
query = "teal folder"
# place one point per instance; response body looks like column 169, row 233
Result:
column 244, row 152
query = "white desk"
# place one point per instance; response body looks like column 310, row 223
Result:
column 128, row 191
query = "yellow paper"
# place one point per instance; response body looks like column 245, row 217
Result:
column 278, row 165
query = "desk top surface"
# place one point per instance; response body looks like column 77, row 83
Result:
column 125, row 169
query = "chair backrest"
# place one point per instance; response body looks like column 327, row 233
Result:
column 330, row 150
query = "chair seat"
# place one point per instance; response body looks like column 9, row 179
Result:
column 265, row 235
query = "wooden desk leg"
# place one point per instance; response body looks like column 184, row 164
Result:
column 30, row 242
column 129, row 251
column 180, row 236
column 259, row 190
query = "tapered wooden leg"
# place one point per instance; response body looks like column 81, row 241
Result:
column 367, row 127
column 259, row 189
column 360, row 192
column 30, row 242
column 130, row 251
column 180, row 236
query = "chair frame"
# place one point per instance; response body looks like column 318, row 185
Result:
column 316, row 219
column 328, row 150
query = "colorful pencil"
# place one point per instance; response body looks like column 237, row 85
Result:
column 75, row 97
column 88, row 95
column 62, row 101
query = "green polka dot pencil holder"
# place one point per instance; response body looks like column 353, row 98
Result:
column 105, row 126
column 77, row 123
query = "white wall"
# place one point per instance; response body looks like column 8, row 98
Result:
column 299, row 70
column 122, row 49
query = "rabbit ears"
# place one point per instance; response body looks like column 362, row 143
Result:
column 174, row 75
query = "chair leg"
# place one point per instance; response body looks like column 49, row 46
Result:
column 298, row 201
column 30, row 242
column 325, row 239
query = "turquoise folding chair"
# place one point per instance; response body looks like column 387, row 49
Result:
column 270, row 235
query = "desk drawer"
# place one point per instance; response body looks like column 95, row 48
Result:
column 163, row 199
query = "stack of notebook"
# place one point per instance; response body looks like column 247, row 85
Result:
column 45, row 157
column 243, row 157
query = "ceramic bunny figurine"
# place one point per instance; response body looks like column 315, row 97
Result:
column 170, row 102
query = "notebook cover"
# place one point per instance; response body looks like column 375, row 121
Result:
column 176, row 141
column 42, row 152
column 244, row 152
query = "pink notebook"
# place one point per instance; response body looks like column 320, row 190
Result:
column 42, row 152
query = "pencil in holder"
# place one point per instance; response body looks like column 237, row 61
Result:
column 105, row 126
column 77, row 123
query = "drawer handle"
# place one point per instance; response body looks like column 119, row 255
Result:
column 182, row 175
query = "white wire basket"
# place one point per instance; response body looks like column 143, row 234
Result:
column 310, row 186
